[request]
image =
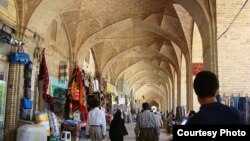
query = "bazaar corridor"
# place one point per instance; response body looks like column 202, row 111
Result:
column 164, row 136
column 70, row 65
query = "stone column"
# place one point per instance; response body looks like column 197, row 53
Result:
column 178, row 90
column 189, row 87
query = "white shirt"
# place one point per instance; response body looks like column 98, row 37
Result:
column 96, row 117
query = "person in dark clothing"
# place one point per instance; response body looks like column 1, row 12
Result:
column 206, row 86
column 117, row 127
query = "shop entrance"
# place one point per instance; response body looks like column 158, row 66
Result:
column 4, row 65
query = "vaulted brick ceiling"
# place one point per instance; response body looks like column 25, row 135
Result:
column 133, row 42
column 139, row 41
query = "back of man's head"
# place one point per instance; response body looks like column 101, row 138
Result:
column 94, row 103
column 145, row 106
column 206, row 84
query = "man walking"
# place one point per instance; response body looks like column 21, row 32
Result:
column 147, row 128
column 96, row 123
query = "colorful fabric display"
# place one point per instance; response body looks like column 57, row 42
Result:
column 76, row 89
column 63, row 72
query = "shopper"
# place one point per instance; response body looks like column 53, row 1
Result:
column 206, row 86
column 117, row 128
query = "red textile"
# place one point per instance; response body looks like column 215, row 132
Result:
column 82, row 107
column 80, row 86
column 84, row 111
column 76, row 83
column 44, row 75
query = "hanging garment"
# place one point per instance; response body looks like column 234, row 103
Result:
column 86, row 79
column 82, row 99
column 77, row 91
column 44, row 76
column 226, row 100
column 80, row 86
column 63, row 72
column 180, row 112
column 96, row 85
column 242, row 108
column 248, row 111
column 84, row 110
column 234, row 101
column 91, row 84
column 74, row 90
column 102, row 84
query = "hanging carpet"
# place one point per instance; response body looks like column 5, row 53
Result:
column 43, row 77
column 76, row 96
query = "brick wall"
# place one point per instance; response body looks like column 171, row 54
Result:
column 8, row 13
column 233, row 47
column 56, row 51
column 59, row 50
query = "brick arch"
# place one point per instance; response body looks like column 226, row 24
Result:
column 111, row 61
column 130, row 23
column 154, row 87
column 154, row 102
column 44, row 13
column 168, row 73
column 139, row 91
column 207, row 27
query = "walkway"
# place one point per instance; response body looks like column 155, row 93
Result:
column 131, row 135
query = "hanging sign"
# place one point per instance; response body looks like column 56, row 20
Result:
column 197, row 67
column 109, row 87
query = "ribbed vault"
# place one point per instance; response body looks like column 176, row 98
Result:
column 139, row 41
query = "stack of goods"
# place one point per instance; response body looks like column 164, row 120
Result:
column 31, row 132
column 42, row 118
column 60, row 99
column 26, row 100
column 54, row 126
column 73, row 127
column 26, row 109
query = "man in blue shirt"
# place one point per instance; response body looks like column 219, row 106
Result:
column 206, row 86
column 146, row 128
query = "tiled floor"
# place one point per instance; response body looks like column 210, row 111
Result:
column 131, row 135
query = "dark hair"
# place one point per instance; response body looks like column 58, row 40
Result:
column 94, row 103
column 206, row 84
column 145, row 106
